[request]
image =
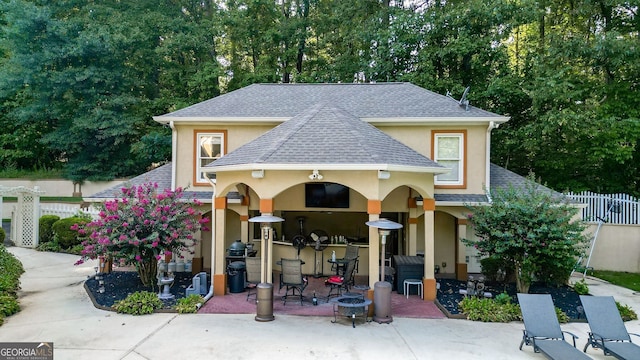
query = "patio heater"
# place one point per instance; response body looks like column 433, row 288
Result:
column 264, row 290
column 382, row 289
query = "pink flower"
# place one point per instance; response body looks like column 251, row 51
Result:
column 138, row 258
column 154, row 244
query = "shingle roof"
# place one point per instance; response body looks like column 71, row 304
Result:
column 503, row 178
column 380, row 100
column 500, row 178
column 160, row 175
column 327, row 134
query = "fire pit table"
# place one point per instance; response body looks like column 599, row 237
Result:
column 350, row 305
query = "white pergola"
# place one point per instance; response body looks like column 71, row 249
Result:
column 24, row 227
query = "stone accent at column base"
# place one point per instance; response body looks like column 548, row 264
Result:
column 219, row 284
column 429, row 288
column 461, row 271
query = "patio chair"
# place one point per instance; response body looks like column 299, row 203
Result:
column 253, row 275
column 293, row 279
column 351, row 253
column 607, row 329
column 339, row 283
column 542, row 329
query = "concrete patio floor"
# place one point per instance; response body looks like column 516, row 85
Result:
column 56, row 308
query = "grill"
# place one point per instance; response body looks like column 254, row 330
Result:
column 236, row 249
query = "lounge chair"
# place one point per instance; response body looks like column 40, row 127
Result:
column 607, row 329
column 542, row 329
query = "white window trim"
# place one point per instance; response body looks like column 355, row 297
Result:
column 198, row 176
column 461, row 160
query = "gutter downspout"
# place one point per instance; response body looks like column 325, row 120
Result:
column 209, row 295
column 174, row 153
column 487, row 180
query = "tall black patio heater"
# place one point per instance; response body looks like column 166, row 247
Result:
column 264, row 290
column 382, row 288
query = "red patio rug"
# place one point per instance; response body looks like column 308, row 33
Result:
column 237, row 303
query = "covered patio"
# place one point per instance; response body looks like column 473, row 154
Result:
column 277, row 173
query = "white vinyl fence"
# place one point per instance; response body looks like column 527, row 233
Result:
column 65, row 210
column 621, row 209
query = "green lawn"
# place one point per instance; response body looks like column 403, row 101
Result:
column 620, row 278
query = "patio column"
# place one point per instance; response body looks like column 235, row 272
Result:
column 244, row 227
column 429, row 281
column 461, row 263
column 218, row 266
column 374, row 208
column 412, row 231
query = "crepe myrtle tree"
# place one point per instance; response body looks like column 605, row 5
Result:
column 141, row 226
column 530, row 230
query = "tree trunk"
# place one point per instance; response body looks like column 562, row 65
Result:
column 522, row 281
column 147, row 270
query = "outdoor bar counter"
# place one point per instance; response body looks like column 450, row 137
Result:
column 286, row 250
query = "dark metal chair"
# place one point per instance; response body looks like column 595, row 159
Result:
column 542, row 329
column 607, row 329
column 292, row 279
column 351, row 253
column 339, row 283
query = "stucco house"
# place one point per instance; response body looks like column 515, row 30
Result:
column 327, row 158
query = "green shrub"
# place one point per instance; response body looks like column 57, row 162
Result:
column 581, row 287
column 496, row 269
column 45, row 230
column 51, row 246
column 189, row 304
column 626, row 313
column 139, row 303
column 63, row 233
column 503, row 298
column 8, row 305
column 563, row 318
column 555, row 272
column 489, row 310
column 3, row 235
column 10, row 271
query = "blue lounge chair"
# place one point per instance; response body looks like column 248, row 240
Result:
column 542, row 329
column 607, row 329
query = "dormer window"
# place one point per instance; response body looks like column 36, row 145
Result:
column 210, row 146
column 449, row 149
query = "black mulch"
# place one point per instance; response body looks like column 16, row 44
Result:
column 119, row 284
column 564, row 297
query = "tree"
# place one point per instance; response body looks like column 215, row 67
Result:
column 141, row 226
column 531, row 230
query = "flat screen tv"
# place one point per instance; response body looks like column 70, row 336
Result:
column 326, row 195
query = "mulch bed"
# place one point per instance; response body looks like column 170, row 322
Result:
column 564, row 297
column 119, row 284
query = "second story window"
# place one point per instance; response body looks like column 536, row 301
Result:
column 209, row 147
column 449, row 150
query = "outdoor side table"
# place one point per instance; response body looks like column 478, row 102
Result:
column 407, row 286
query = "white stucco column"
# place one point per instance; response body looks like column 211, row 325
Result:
column 429, row 282
column 412, row 246
column 374, row 252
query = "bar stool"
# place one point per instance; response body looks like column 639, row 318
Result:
column 409, row 282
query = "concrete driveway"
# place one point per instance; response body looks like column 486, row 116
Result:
column 56, row 308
